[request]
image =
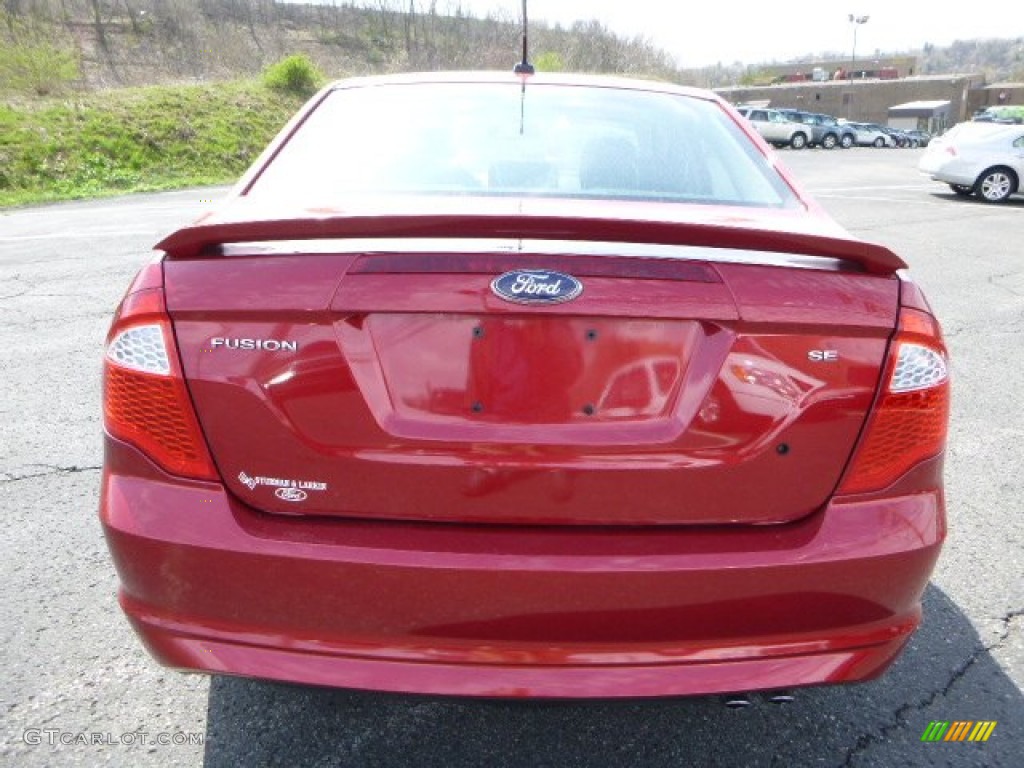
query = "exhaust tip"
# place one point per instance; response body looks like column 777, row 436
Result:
column 781, row 698
column 738, row 702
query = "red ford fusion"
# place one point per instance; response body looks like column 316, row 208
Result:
column 523, row 386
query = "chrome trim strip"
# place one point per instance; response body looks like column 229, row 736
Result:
column 539, row 247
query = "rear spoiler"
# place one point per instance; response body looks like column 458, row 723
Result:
column 204, row 238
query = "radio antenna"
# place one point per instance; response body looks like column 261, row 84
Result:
column 524, row 67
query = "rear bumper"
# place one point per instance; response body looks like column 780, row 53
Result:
column 940, row 168
column 211, row 585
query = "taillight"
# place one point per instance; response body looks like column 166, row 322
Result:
column 145, row 401
column 911, row 415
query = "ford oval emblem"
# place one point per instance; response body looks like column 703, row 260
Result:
column 290, row 494
column 534, row 286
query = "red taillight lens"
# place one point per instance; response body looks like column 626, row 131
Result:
column 145, row 401
column 911, row 416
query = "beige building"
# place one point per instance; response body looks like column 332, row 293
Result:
column 997, row 94
column 870, row 100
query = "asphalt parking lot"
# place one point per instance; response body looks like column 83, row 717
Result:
column 79, row 690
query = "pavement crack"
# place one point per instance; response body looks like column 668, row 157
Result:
column 900, row 717
column 63, row 296
column 46, row 470
column 1007, row 621
column 996, row 281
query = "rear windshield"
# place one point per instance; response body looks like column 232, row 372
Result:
column 544, row 141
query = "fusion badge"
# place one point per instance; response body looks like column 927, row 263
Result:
column 527, row 286
column 269, row 345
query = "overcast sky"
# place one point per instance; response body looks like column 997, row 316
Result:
column 754, row 31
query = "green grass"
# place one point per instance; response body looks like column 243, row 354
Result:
column 135, row 139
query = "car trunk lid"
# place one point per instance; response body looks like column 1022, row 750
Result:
column 388, row 380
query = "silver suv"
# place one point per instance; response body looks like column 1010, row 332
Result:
column 776, row 128
column 826, row 131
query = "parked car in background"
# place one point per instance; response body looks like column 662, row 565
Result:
column 501, row 385
column 869, row 135
column 919, row 138
column 902, row 138
column 776, row 128
column 1008, row 114
column 978, row 158
column 845, row 137
column 826, row 130
column 899, row 137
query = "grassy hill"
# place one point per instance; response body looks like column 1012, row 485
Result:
column 144, row 42
column 109, row 96
column 135, row 139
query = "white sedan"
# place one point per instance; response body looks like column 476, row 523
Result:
column 984, row 159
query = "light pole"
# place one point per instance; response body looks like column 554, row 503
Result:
column 856, row 21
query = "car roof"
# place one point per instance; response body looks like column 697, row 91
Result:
column 540, row 78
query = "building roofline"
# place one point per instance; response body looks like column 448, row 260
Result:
column 857, row 83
